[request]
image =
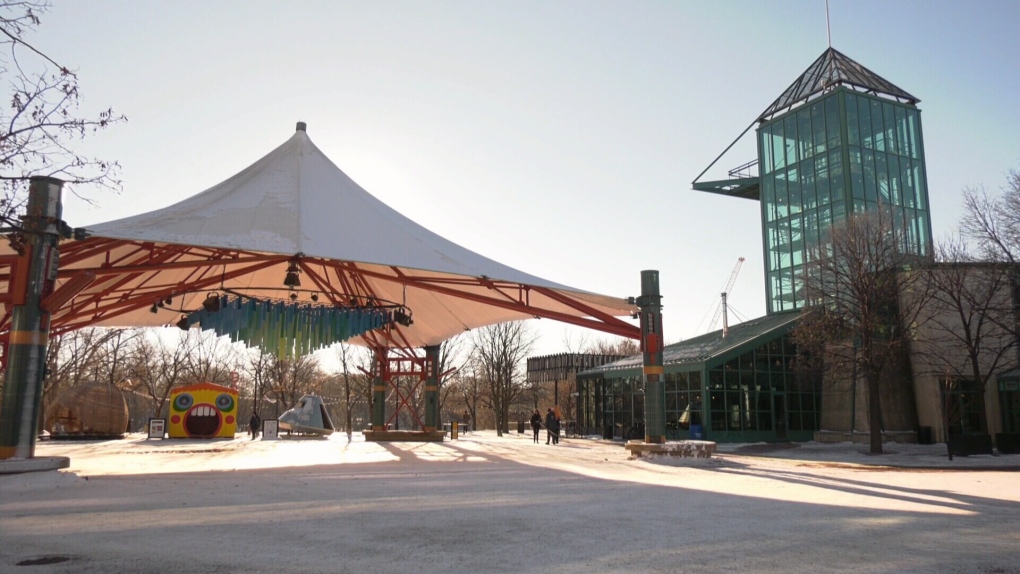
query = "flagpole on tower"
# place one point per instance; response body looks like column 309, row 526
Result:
column 828, row 29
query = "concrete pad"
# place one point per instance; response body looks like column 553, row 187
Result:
column 35, row 464
column 681, row 449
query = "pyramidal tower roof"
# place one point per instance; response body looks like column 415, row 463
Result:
column 832, row 69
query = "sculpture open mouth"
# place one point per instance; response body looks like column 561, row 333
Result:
column 202, row 420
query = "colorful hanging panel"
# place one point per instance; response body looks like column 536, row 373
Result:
column 287, row 329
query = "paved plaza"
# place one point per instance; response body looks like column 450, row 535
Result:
column 502, row 504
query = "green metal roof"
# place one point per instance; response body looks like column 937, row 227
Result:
column 714, row 345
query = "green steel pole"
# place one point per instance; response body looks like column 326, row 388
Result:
column 30, row 325
column 650, row 305
column 379, row 390
column 432, row 388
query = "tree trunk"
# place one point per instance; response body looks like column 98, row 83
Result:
column 874, row 412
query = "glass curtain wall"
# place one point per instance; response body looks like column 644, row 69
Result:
column 623, row 406
column 760, row 396
column 683, row 404
column 813, row 172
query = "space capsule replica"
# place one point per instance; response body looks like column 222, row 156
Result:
column 308, row 416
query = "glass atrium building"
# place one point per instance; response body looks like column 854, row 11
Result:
column 839, row 140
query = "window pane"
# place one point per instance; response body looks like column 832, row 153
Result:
column 818, row 127
column 793, row 188
column 893, row 169
column 913, row 133
column 864, row 111
column 836, row 174
column 870, row 189
column 889, row 121
column 822, row 178
column 878, row 130
column 832, row 122
column 882, row 176
column 902, row 141
column 807, row 183
column 853, row 129
column 778, row 149
column 804, row 133
column 856, row 172
column 790, row 124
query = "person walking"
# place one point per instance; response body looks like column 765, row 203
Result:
column 253, row 425
column 559, row 417
column 536, row 424
column 550, row 425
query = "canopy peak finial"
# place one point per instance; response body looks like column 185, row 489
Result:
column 302, row 127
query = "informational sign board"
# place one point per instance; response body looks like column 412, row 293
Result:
column 157, row 428
column 270, row 429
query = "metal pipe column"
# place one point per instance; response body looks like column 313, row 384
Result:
column 36, row 271
column 432, row 388
column 379, row 383
column 650, row 305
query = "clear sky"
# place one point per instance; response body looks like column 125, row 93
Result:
column 559, row 138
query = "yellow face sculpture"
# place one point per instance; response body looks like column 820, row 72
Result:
column 203, row 411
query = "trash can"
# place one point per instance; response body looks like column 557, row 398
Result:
column 520, row 427
column 607, row 432
column 924, row 435
column 695, row 432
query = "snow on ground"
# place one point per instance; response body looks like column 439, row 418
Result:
column 502, row 504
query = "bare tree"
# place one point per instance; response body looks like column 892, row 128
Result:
column 346, row 375
column 41, row 121
column 156, row 369
column 77, row 357
column 970, row 327
column 451, row 360
column 500, row 351
column 293, row 377
column 467, row 389
column 854, row 278
column 210, row 360
column 619, row 346
column 993, row 222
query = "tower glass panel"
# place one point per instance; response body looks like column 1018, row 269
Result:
column 845, row 152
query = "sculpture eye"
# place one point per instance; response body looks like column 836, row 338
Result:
column 183, row 402
column 224, row 402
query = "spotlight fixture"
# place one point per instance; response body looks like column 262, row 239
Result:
column 160, row 305
column 402, row 318
column 182, row 324
column 315, row 296
column 153, row 309
column 293, row 296
column 292, row 280
column 169, row 301
column 211, row 303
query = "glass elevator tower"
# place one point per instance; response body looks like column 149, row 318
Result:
column 839, row 140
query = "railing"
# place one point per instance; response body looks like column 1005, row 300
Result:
column 745, row 171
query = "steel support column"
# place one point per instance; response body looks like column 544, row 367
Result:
column 432, row 387
column 650, row 304
column 380, row 381
column 30, row 324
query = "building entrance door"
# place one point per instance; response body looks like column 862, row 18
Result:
column 779, row 415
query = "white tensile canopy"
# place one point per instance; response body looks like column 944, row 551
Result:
column 295, row 209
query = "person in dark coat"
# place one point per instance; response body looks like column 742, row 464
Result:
column 550, row 425
column 253, row 425
column 536, row 424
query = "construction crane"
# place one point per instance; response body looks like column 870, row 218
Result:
column 729, row 285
